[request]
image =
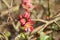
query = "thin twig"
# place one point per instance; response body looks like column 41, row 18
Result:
column 15, row 8
column 43, row 28
column 48, row 32
column 56, row 19
column 34, row 39
column 36, row 29
column 57, row 24
column 6, row 4
column 0, row 5
column 15, row 26
column 11, row 3
column 40, row 20
column 4, row 36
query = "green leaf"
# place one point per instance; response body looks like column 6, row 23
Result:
column 46, row 37
column 22, row 35
column 42, row 36
column 7, row 33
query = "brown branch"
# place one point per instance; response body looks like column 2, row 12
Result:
column 31, row 36
column 40, row 20
column 12, row 3
column 12, row 22
column 6, row 4
column 41, row 28
column 36, row 29
column 57, row 24
column 15, row 8
column 15, row 26
column 56, row 19
column 34, row 39
column 4, row 36
column 48, row 32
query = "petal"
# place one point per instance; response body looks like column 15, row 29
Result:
column 27, row 1
column 25, row 28
column 31, row 28
column 23, row 5
column 22, row 21
column 28, row 5
column 30, row 22
column 26, row 14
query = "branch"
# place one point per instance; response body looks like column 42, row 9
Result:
column 34, row 39
column 48, row 32
column 15, row 8
column 40, row 20
column 56, row 19
column 36, row 29
column 6, row 4
column 57, row 24
column 16, row 27
column 12, row 3
column 4, row 36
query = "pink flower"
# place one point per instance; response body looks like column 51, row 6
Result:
column 25, row 20
column 28, row 5
column 28, row 27
column 22, row 21
column 26, row 1
column 26, row 14
column 47, row 17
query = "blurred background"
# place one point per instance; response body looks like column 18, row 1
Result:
column 43, row 12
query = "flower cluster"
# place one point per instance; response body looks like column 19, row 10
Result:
column 26, row 4
column 25, row 19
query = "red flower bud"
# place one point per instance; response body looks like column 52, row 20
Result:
column 47, row 17
column 22, row 21
column 26, row 14
column 27, row 4
column 20, row 16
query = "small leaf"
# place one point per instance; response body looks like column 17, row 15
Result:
column 7, row 33
column 42, row 36
column 22, row 35
column 46, row 37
